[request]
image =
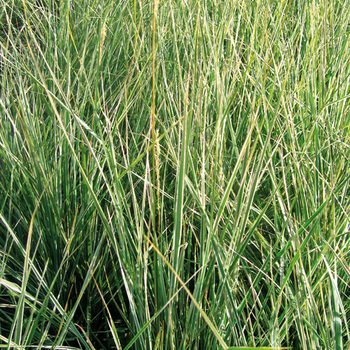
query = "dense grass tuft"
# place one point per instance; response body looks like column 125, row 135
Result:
column 174, row 174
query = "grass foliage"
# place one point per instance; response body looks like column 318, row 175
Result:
column 174, row 174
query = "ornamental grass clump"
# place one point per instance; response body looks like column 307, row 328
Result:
column 174, row 174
